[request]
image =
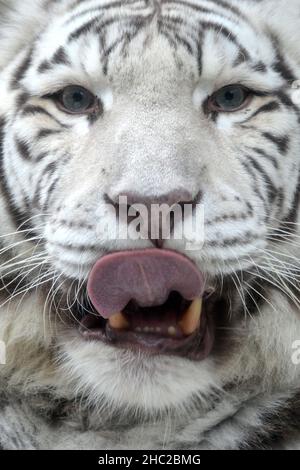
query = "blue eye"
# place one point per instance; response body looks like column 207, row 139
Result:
column 77, row 100
column 230, row 98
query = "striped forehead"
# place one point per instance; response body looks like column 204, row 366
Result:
column 91, row 34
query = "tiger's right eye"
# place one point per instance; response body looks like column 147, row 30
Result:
column 77, row 100
column 229, row 99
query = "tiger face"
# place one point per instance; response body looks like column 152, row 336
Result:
column 168, row 102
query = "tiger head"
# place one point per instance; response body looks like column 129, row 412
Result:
column 106, row 106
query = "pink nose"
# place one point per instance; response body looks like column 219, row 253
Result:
column 180, row 197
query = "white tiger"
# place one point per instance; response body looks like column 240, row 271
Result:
column 159, row 101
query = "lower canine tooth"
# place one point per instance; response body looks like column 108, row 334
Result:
column 191, row 318
column 118, row 321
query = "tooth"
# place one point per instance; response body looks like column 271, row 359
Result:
column 118, row 321
column 191, row 318
column 172, row 330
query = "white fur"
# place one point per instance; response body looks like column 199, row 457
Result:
column 153, row 139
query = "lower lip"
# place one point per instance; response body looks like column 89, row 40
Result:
column 196, row 347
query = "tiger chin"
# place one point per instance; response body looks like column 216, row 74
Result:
column 139, row 342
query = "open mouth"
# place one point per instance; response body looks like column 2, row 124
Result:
column 151, row 300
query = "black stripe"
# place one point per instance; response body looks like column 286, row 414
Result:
column 61, row 57
column 259, row 67
column 197, row 8
column 184, row 42
column 266, row 108
column 271, row 188
column 240, row 59
column 21, row 71
column 231, row 8
column 169, row 38
column 286, row 101
column 47, row 132
column 220, row 3
column 125, row 38
column 91, row 10
column 254, row 182
column 292, row 216
column 23, row 149
column 21, row 100
column 275, row 426
column 41, row 157
column 44, row 66
column 32, row 110
column 263, row 154
column 109, row 50
column 49, row 193
column 280, row 66
column 231, row 217
column 176, row 38
column 85, row 28
column 47, row 171
column 281, row 142
column 200, row 53
column 19, row 218
column 221, row 30
column 100, row 9
column 245, row 239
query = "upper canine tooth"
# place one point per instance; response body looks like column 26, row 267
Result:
column 118, row 321
column 191, row 318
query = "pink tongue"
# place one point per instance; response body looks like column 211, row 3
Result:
column 146, row 276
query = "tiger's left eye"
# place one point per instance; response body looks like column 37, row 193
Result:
column 230, row 98
column 77, row 100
